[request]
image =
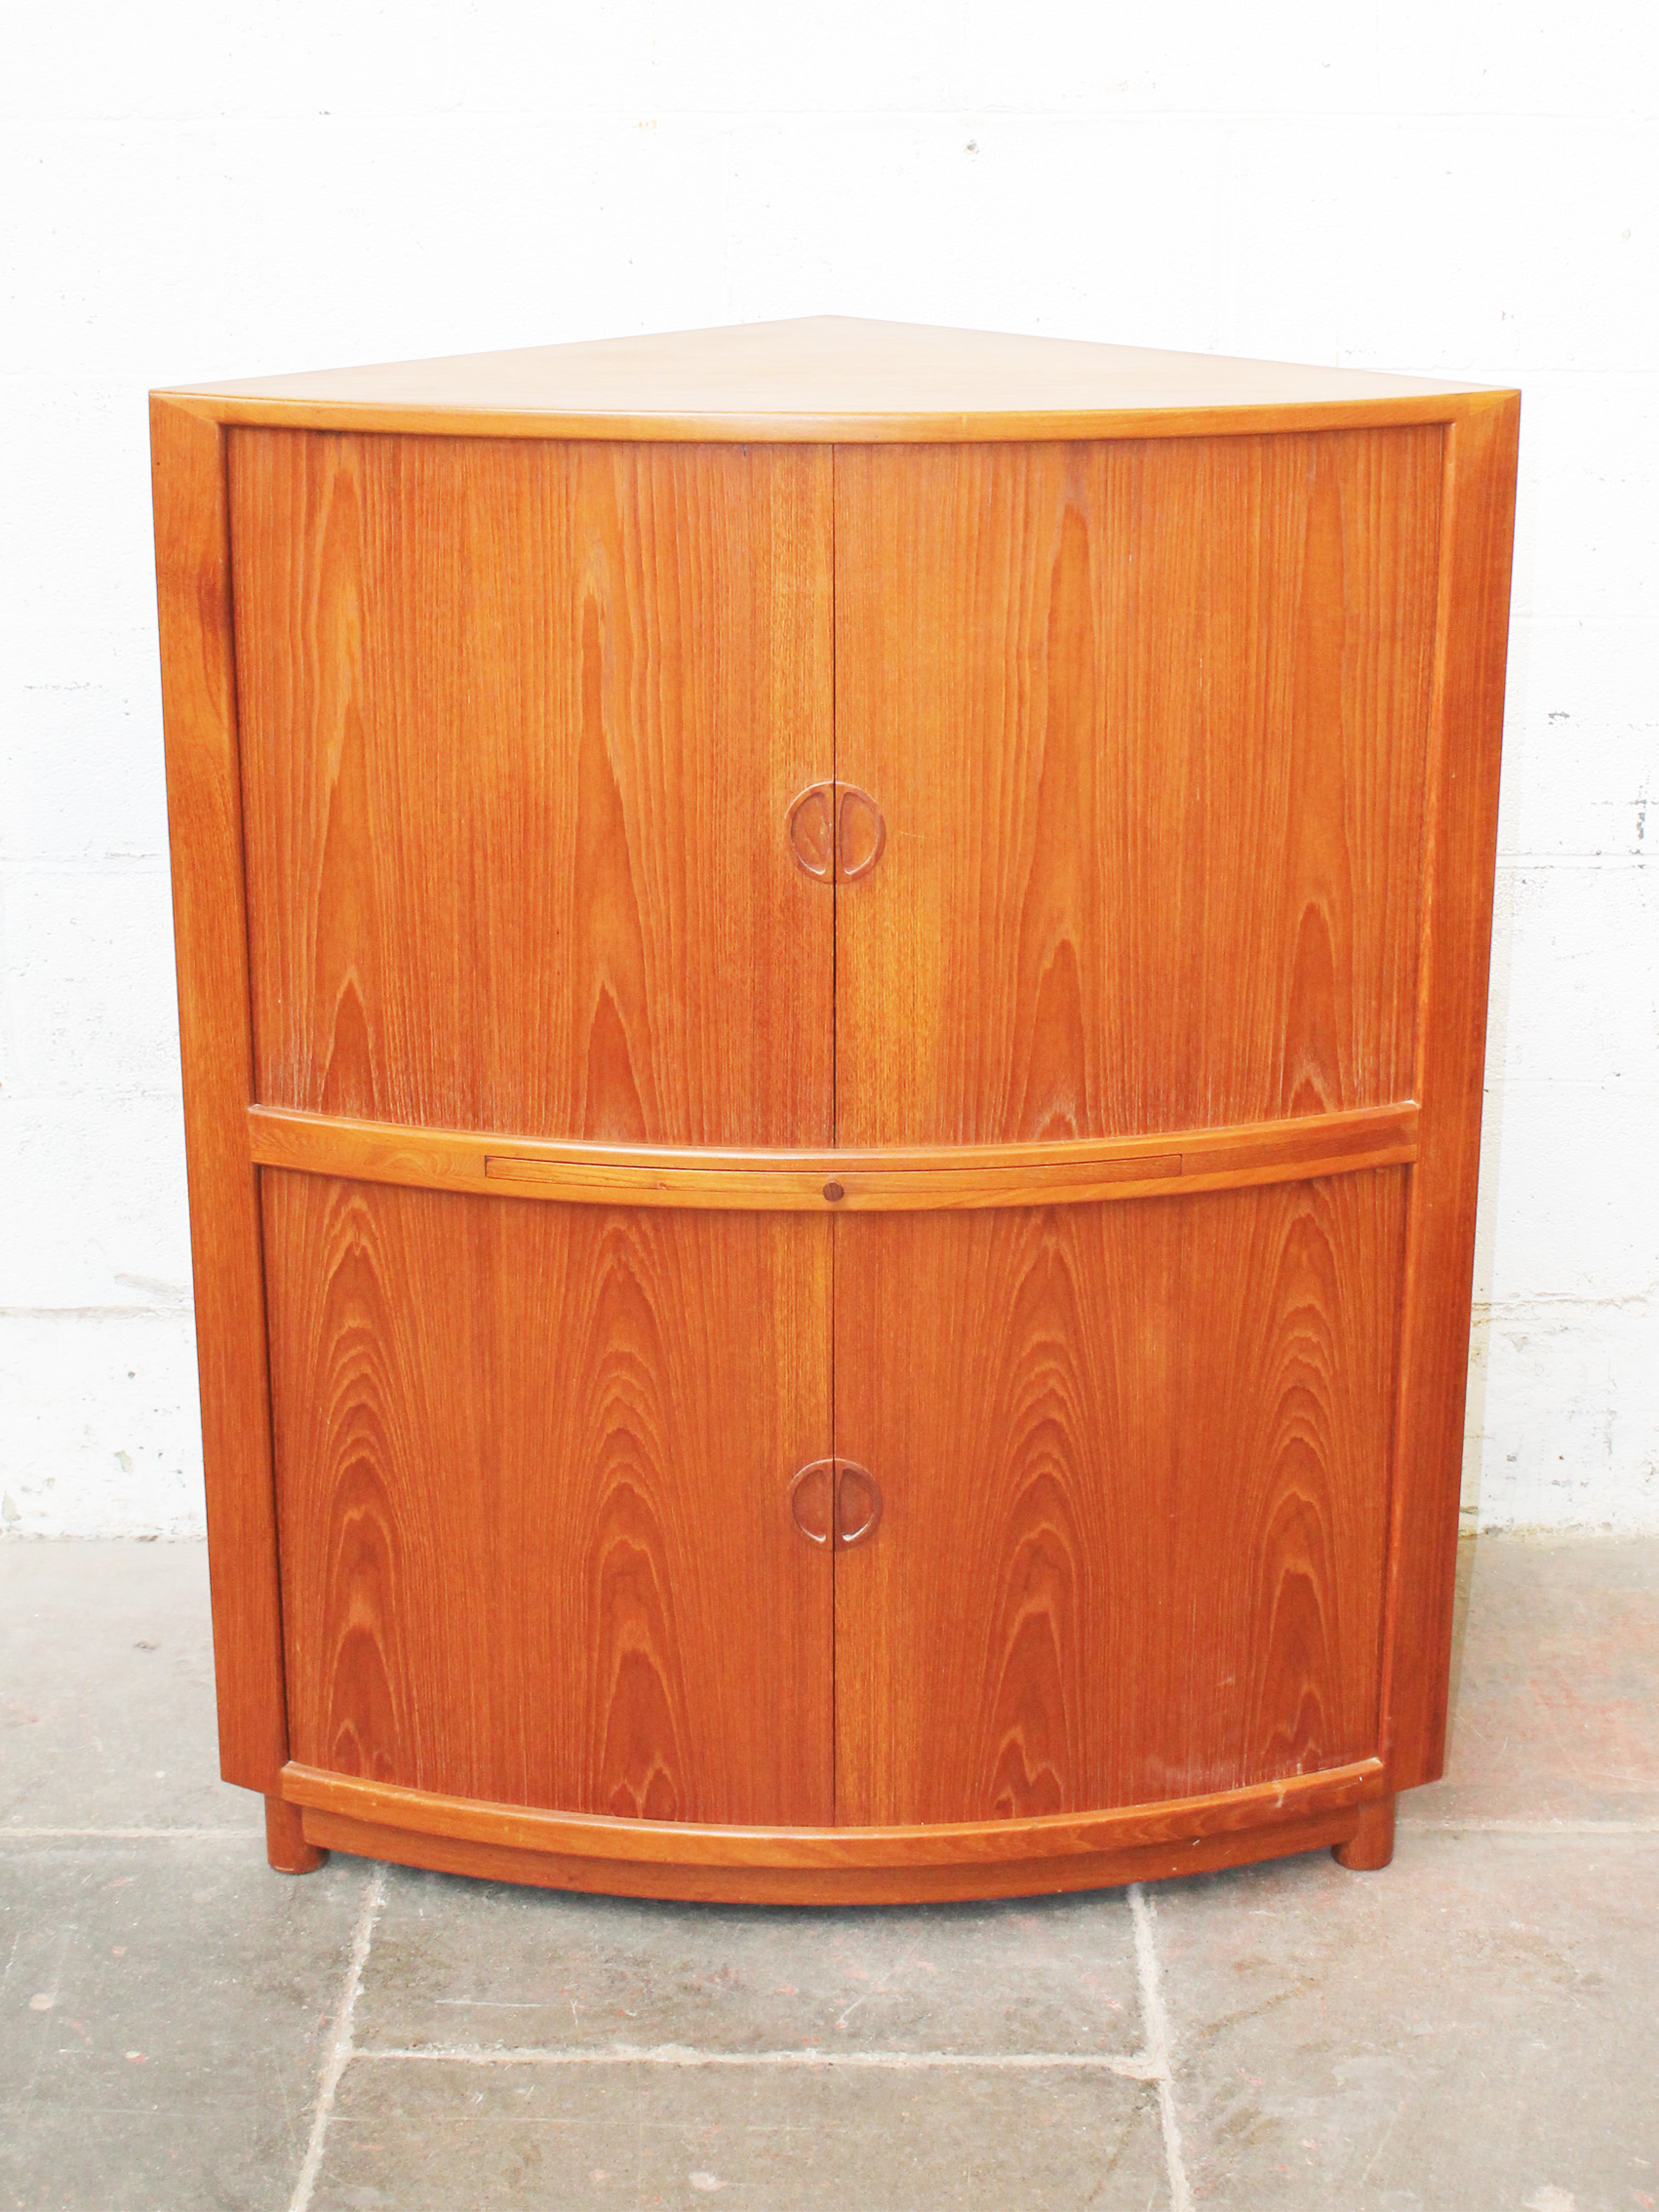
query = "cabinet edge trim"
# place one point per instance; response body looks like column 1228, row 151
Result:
column 837, row 426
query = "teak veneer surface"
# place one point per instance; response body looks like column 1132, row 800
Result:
column 531, row 1468
column 840, row 1179
column 520, row 725
column 532, row 1045
column 1134, row 1462
column 1471, row 630
column 817, row 378
column 1044, row 1835
column 204, row 813
column 1149, row 723
column 849, row 1866
column 913, row 1883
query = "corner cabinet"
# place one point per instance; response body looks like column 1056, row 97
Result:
column 833, row 981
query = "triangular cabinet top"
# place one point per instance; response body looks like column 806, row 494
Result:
column 832, row 376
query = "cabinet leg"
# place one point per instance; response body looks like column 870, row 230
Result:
column 286, row 1846
column 1372, row 1844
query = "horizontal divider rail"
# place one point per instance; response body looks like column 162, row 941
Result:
column 922, row 1179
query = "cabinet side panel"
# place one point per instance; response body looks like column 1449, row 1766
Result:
column 1134, row 1461
column 204, row 809
column 1148, row 723
column 522, row 723
column 533, row 1471
column 1463, row 836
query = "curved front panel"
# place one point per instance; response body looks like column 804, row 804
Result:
column 519, row 727
column 545, row 1540
column 531, row 1468
column 835, row 1068
column 1149, row 723
column 1136, row 1468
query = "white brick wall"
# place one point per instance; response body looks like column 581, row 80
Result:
column 221, row 189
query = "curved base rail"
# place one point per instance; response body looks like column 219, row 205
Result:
column 838, row 1866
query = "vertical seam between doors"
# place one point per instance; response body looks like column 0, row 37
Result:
column 835, row 830
column 835, row 1125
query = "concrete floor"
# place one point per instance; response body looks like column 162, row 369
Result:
column 1473, row 2029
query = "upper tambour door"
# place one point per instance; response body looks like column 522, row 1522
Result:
column 1148, row 724
column 520, row 724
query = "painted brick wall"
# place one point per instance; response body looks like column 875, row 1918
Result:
column 199, row 190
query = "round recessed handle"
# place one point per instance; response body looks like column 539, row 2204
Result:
column 835, row 1501
column 811, row 1500
column 860, row 833
column 857, row 1504
column 809, row 826
column 836, row 832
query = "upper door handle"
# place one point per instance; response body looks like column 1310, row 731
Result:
column 857, row 1503
column 835, row 1501
column 860, row 833
column 809, row 826
column 836, row 832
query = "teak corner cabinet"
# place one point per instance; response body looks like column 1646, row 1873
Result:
column 833, row 982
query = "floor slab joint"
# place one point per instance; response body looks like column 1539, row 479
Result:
column 340, row 2049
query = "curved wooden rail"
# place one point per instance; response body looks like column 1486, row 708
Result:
column 937, row 1177
column 835, row 1865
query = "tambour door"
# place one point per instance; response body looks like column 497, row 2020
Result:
column 532, row 1467
column 1147, row 722
column 1133, row 1459
column 520, row 724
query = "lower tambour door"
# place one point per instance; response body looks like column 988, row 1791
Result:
column 1135, row 1465
column 531, row 1473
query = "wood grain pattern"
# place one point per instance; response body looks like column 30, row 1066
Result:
column 204, row 811
column 1372, row 1846
column 1462, row 858
column 1231, row 1812
column 287, row 1850
column 1134, row 1462
column 532, row 1468
column 834, row 1181
column 1175, row 686
column 829, row 377
column 906, row 1885
column 520, row 724
column 1148, row 723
